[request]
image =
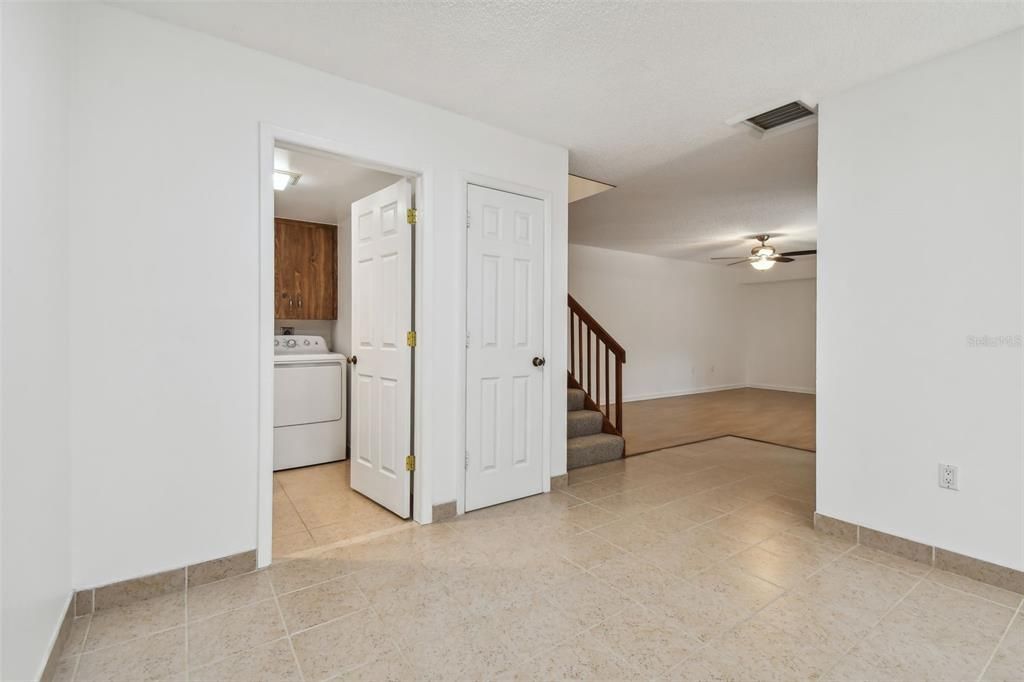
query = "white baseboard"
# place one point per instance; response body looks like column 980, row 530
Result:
column 788, row 389
column 712, row 389
column 679, row 392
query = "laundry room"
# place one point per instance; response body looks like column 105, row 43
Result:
column 318, row 499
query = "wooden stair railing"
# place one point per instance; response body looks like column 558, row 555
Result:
column 586, row 339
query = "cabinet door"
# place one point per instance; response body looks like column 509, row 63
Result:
column 306, row 272
column 319, row 286
column 284, row 272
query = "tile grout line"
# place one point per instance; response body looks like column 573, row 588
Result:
column 627, row 597
column 318, row 550
column 577, row 633
column 302, row 520
column 132, row 639
column 287, row 634
column 965, row 592
column 700, row 524
column 786, row 591
column 399, row 649
column 870, row 629
column 1002, row 638
column 81, row 651
column 326, row 622
column 636, row 558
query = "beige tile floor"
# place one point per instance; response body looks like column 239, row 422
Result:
column 315, row 506
column 695, row 563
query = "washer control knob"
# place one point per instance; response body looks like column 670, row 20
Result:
column 291, row 343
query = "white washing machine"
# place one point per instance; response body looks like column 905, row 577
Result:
column 309, row 402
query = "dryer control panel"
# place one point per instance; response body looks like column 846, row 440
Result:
column 298, row 345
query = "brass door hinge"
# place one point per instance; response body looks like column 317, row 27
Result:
column 410, row 216
column 410, row 463
column 410, row 339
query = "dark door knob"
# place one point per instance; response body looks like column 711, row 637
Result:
column 353, row 360
column 538, row 362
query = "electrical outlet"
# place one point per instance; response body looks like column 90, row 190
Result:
column 949, row 477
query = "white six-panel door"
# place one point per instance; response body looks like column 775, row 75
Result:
column 381, row 376
column 504, row 346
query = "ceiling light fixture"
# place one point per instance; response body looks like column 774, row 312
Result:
column 764, row 257
column 284, row 179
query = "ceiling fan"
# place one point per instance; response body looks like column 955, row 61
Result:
column 764, row 257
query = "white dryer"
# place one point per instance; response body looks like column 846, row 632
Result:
column 309, row 402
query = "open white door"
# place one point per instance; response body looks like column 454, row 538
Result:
column 381, row 376
column 505, row 347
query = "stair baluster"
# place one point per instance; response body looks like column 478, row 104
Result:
column 588, row 376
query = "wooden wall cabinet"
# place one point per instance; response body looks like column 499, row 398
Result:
column 305, row 270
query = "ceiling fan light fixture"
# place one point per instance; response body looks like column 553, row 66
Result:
column 763, row 256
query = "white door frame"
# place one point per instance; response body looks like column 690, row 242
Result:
column 464, row 181
column 270, row 136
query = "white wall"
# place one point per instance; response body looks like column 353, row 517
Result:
column 780, row 333
column 341, row 332
column 922, row 171
column 690, row 327
column 679, row 322
column 34, row 443
column 164, row 258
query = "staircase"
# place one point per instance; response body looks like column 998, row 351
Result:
column 594, row 428
column 588, row 444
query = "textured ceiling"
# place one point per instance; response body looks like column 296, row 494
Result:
column 709, row 201
column 328, row 185
column 629, row 88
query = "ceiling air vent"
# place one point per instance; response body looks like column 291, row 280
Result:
column 788, row 116
column 780, row 116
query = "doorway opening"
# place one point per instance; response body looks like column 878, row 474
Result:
column 343, row 345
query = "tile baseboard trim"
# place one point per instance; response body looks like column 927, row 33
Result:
column 218, row 569
column 560, row 481
column 893, row 544
column 148, row 586
column 443, row 511
column 976, row 569
column 59, row 640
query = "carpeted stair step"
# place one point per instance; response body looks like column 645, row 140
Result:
column 576, row 399
column 594, row 449
column 584, row 423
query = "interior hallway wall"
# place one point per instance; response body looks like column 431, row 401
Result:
column 692, row 327
column 164, row 258
column 677, row 320
column 919, row 352
column 35, row 483
column 780, row 330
